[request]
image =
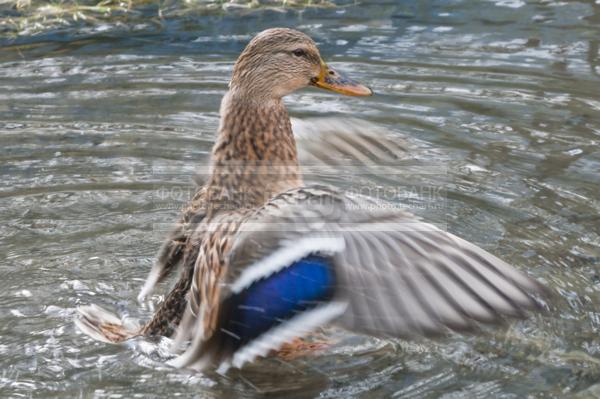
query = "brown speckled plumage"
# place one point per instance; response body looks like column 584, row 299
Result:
column 253, row 159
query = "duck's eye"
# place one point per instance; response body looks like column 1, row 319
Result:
column 299, row 52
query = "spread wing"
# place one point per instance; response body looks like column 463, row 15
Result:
column 312, row 256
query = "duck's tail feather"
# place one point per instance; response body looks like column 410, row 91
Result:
column 104, row 326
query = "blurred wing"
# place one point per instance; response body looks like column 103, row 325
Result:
column 337, row 142
column 297, row 265
column 403, row 277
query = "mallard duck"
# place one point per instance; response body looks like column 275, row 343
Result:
column 267, row 258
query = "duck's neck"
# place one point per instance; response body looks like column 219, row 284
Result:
column 255, row 154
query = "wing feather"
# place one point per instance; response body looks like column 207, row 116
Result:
column 395, row 275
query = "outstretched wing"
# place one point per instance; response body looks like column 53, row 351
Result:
column 311, row 256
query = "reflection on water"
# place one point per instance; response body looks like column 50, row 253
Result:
column 503, row 93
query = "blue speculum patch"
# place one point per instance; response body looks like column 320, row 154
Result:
column 279, row 297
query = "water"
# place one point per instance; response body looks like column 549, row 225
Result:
column 505, row 94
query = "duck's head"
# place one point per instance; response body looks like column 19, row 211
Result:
column 279, row 61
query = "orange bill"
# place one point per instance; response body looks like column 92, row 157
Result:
column 329, row 79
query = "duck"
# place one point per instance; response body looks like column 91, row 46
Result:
column 265, row 259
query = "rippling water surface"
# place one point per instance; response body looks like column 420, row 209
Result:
column 505, row 94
